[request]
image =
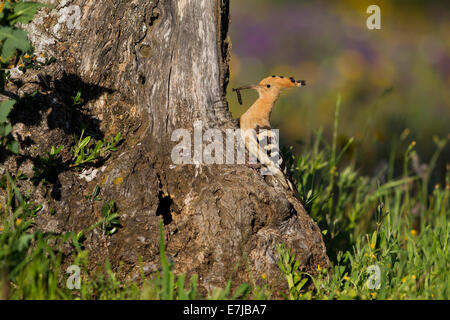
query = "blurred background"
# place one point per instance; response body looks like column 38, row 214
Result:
column 394, row 82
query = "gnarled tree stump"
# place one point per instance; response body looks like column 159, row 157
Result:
column 147, row 68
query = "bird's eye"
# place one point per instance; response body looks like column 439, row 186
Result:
column 268, row 86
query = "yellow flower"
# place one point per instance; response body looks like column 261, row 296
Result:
column 373, row 256
column 372, row 246
column 413, row 277
column 264, row 276
column 11, row 66
column 373, row 294
column 413, row 144
column 1, row 6
column 366, row 254
column 318, row 267
column 18, row 221
column 403, row 279
column 27, row 56
column 346, row 278
column 413, row 232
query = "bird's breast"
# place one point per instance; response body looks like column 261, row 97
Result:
column 247, row 122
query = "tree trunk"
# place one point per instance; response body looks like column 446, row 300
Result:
column 146, row 68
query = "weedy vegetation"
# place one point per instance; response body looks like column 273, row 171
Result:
column 387, row 238
column 83, row 154
column 15, row 52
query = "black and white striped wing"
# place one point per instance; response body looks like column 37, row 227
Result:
column 268, row 140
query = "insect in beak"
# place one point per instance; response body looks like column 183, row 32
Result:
column 238, row 91
column 239, row 97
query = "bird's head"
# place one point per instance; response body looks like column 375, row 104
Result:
column 271, row 87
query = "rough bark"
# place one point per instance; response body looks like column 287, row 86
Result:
column 145, row 69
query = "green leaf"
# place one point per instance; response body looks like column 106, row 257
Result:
column 5, row 109
column 5, row 129
column 374, row 238
column 24, row 12
column 77, row 98
column 241, row 292
column 24, row 241
column 13, row 40
column 80, row 236
column 13, row 146
column 37, row 208
column 300, row 285
column 98, row 146
column 57, row 151
column 111, row 217
column 85, row 142
column 96, row 192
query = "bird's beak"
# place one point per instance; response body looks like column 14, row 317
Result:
column 300, row 83
column 246, row 87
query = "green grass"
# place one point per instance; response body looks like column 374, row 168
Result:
column 393, row 225
column 387, row 237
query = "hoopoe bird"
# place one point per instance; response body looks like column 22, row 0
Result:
column 255, row 125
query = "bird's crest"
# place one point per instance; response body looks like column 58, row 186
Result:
column 282, row 82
